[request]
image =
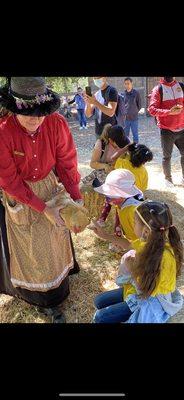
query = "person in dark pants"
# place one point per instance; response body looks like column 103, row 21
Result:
column 132, row 106
column 103, row 104
column 80, row 106
column 166, row 104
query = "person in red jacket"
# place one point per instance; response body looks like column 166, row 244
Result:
column 167, row 105
column 36, row 150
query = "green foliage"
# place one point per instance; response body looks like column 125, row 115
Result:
column 2, row 80
column 61, row 84
column 65, row 84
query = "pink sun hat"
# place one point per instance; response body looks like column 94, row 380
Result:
column 119, row 183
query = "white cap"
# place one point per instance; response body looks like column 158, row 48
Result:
column 119, row 183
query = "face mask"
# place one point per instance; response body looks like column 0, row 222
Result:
column 168, row 79
column 98, row 82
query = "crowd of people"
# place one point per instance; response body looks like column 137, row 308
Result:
column 38, row 165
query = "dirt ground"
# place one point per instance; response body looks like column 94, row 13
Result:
column 99, row 265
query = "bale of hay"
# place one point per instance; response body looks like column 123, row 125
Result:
column 72, row 213
column 93, row 201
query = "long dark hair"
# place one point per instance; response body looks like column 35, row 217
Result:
column 139, row 154
column 116, row 134
column 146, row 269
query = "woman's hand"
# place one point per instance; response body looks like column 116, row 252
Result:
column 119, row 153
column 53, row 216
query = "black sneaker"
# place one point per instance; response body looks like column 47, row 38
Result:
column 55, row 313
column 75, row 269
column 59, row 319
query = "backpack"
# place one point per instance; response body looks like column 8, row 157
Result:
column 120, row 109
column 160, row 89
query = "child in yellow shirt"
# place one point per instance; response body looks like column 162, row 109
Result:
column 151, row 267
column 134, row 161
column 119, row 185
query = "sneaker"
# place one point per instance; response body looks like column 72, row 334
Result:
column 55, row 313
column 59, row 319
column 81, row 127
column 85, row 127
column 75, row 269
column 169, row 183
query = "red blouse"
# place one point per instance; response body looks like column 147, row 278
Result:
column 31, row 157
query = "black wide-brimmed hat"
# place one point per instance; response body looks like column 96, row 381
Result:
column 28, row 96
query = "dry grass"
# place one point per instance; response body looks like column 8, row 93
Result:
column 98, row 270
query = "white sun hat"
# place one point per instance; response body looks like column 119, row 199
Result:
column 119, row 183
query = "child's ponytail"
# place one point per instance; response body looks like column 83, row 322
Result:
column 139, row 154
column 176, row 244
column 158, row 218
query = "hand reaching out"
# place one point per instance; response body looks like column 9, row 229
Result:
column 98, row 230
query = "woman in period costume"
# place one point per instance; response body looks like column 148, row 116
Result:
column 38, row 161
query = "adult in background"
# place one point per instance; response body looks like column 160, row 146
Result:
column 166, row 104
column 111, row 141
column 132, row 100
column 80, row 106
column 36, row 248
column 103, row 104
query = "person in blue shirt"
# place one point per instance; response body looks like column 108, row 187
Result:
column 80, row 106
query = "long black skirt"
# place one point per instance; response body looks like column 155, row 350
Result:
column 51, row 298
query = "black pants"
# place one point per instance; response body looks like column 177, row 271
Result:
column 168, row 140
column 50, row 298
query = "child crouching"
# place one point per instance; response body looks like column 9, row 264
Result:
column 151, row 269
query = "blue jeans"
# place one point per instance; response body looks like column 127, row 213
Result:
column 82, row 117
column 111, row 307
column 134, row 128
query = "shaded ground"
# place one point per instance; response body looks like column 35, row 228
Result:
column 98, row 265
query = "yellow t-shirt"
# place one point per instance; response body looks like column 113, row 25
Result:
column 166, row 282
column 126, row 217
column 141, row 174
